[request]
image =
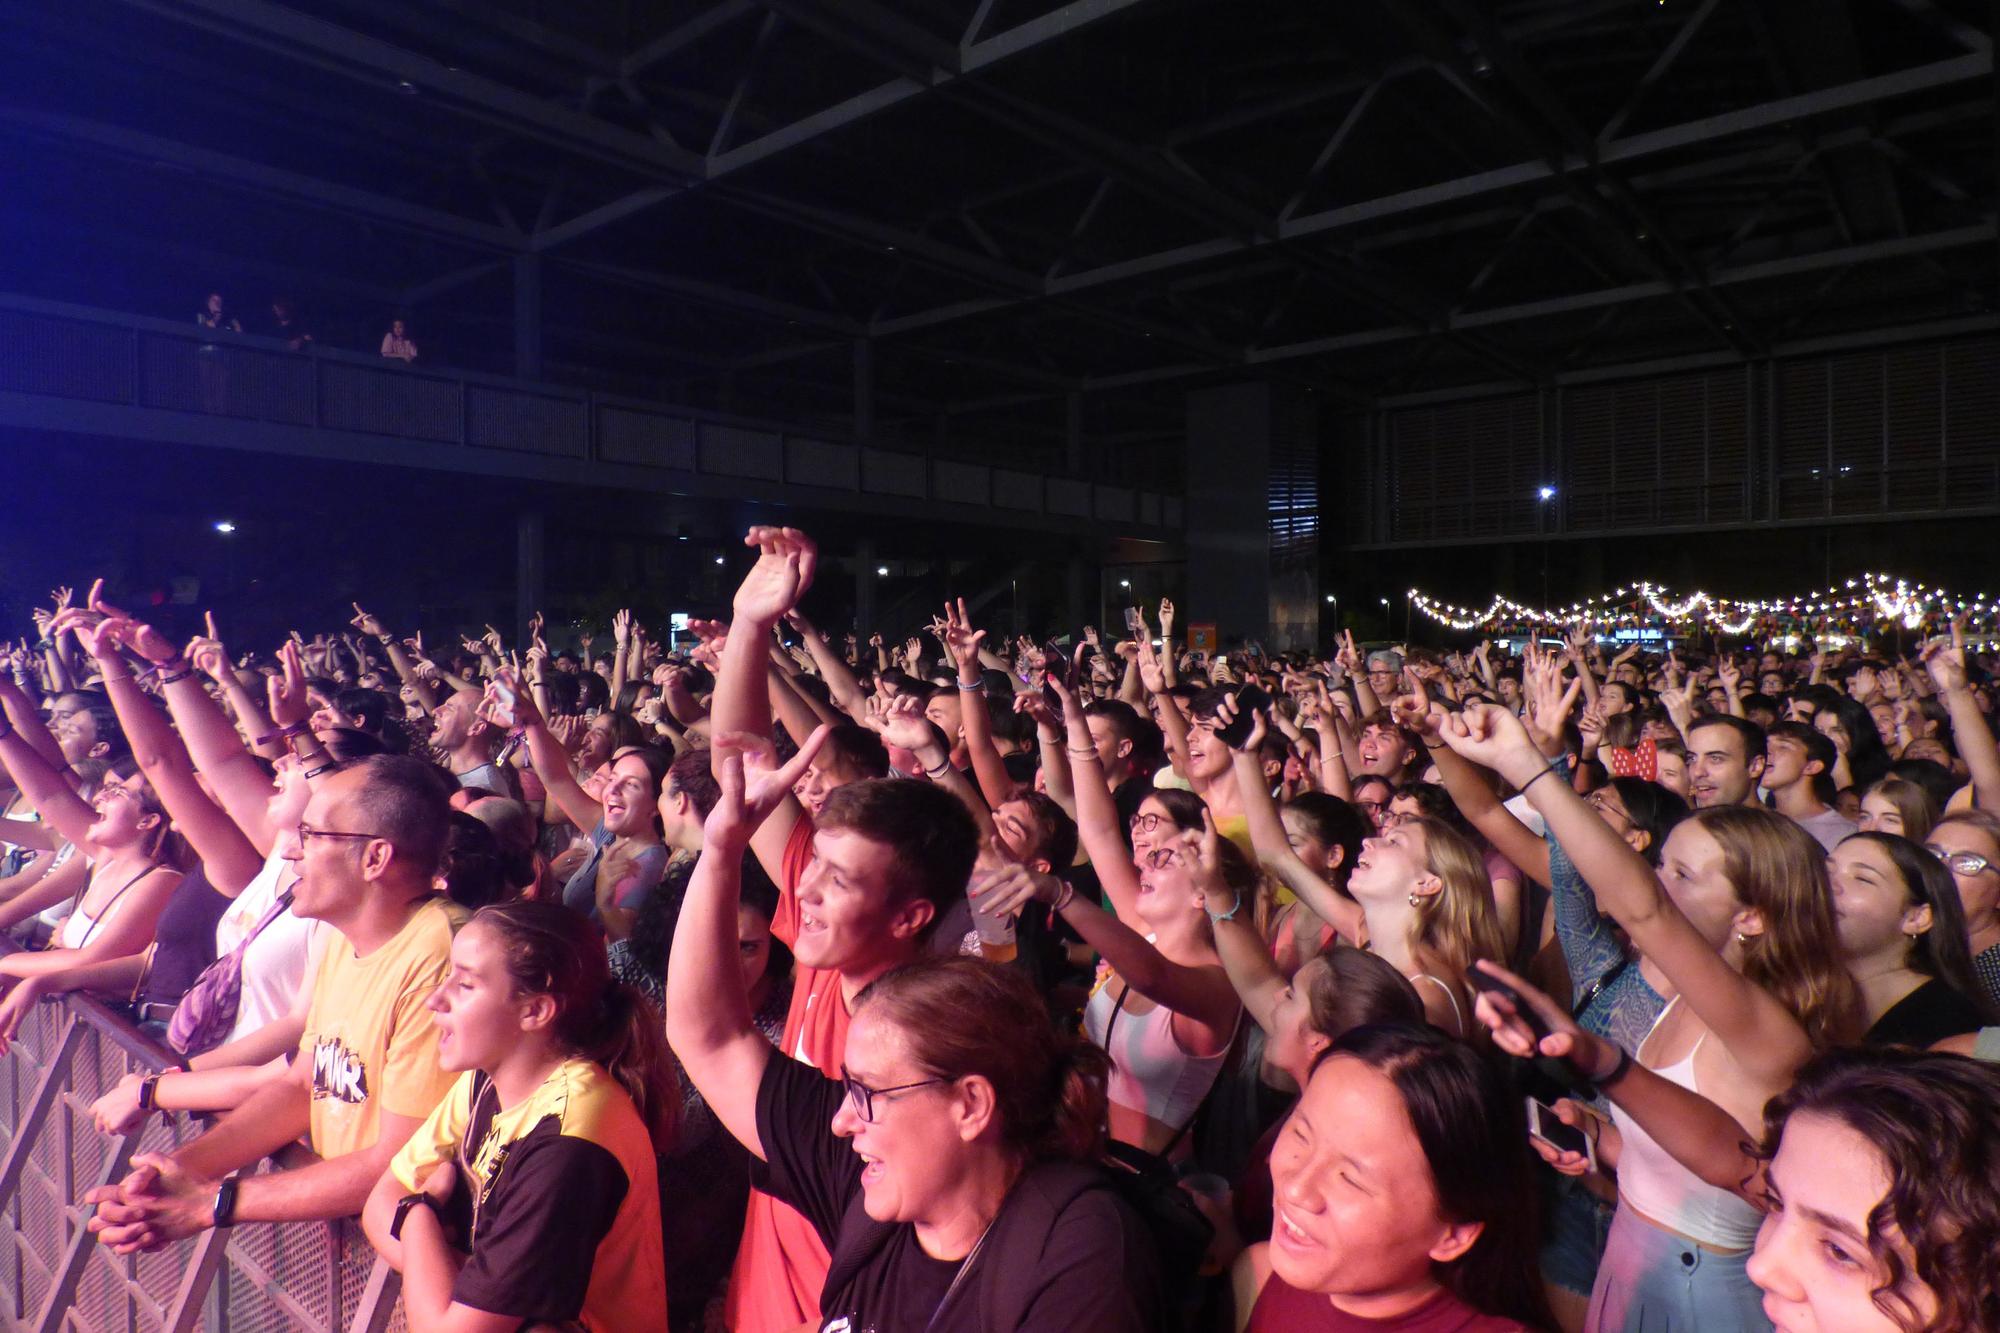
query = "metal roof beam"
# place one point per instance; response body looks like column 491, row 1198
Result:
column 261, row 178
column 1767, row 115
column 342, row 50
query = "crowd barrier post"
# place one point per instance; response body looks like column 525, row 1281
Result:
column 306, row 1277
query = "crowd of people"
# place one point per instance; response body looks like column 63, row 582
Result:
column 785, row 980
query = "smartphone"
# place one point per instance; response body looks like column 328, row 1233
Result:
column 1055, row 666
column 505, row 694
column 1249, row 700
column 1134, row 622
column 1546, row 1125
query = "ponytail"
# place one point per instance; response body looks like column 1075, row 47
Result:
column 1082, row 1105
column 631, row 1044
column 550, row 950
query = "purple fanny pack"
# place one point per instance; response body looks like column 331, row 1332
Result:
column 207, row 1013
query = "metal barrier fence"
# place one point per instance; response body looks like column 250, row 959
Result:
column 308, row 1277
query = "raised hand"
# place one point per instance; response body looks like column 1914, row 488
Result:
column 752, row 783
column 1549, row 702
column 1167, row 621
column 1413, row 709
column 1514, row 1032
column 366, row 623
column 1488, row 735
column 786, row 562
column 1007, row 887
column 289, row 705
column 960, row 639
column 1945, row 659
column 1728, row 674
column 1037, row 708
column 141, row 638
column 492, row 640
column 1227, row 712
column 900, row 722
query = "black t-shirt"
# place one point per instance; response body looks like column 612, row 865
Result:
column 1924, row 1017
column 1075, row 1278
column 184, row 940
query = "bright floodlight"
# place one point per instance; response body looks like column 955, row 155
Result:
column 1547, row 492
column 225, row 527
column 881, row 571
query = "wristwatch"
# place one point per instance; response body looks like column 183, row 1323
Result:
column 403, row 1207
column 224, row 1212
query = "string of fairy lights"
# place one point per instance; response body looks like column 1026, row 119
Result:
column 1867, row 601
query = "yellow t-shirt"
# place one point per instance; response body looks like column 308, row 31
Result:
column 561, row 1198
column 370, row 1042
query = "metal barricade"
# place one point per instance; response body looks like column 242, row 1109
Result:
column 305, row 1277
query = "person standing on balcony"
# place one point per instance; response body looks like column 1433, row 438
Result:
column 396, row 344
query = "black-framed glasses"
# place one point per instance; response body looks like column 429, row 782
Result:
column 307, row 833
column 1960, row 863
column 862, row 1097
column 1146, row 821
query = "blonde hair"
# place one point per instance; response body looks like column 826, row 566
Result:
column 1458, row 923
column 1778, row 868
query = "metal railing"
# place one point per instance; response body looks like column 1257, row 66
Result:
column 56, row 352
column 303, row 1277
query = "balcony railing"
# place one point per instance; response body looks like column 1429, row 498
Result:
column 57, row 352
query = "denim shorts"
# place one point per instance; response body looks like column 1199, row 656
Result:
column 1575, row 1226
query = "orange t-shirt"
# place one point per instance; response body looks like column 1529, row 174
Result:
column 782, row 1264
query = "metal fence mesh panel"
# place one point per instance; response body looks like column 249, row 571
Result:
column 41, row 354
column 309, row 1277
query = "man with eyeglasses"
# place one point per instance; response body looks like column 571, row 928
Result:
column 366, row 1074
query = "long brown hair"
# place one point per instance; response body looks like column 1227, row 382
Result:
column 1936, row 1121
column 1458, row 923
column 550, row 950
column 1779, row 869
column 1050, row 1087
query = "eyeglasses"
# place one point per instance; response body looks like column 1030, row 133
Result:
column 862, row 1097
column 307, row 833
column 1395, row 818
column 1146, row 823
column 1602, row 804
column 1960, row 863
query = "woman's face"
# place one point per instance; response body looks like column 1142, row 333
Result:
column 1871, row 901
column 1812, row 1261
column 479, row 1014
column 324, row 718
column 629, row 799
column 1304, row 841
column 1390, row 865
column 1208, row 757
column 753, row 944
column 1672, row 773
column 1167, row 894
column 597, row 744
column 289, row 795
column 122, row 817
column 1693, row 874
column 1978, row 892
column 1293, row 1044
column 912, row 1151
column 1880, row 815
column 1355, row 1207
column 1372, row 800
column 1153, row 827
column 1830, row 726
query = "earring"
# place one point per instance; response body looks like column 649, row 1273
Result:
column 1413, row 897
column 1741, row 938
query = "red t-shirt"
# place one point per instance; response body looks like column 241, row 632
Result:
column 1282, row 1308
column 783, row 1263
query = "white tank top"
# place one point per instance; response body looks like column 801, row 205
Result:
column 275, row 963
column 1667, row 1192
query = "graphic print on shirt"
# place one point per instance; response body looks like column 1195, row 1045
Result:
column 338, row 1072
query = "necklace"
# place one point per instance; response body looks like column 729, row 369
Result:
column 959, row 1276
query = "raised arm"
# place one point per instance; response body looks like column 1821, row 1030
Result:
column 1761, row 1034
column 962, row 642
column 833, row 668
column 1274, row 848
column 227, row 856
column 786, row 562
column 1969, row 728
column 551, row 762
column 708, row 1009
column 1096, row 813
column 43, row 785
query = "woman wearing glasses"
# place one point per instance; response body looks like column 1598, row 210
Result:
column 1969, row 845
column 945, row 1169
column 1903, row 936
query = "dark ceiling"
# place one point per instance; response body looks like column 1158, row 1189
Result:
column 1031, row 217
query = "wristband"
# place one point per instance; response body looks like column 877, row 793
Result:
column 1062, row 899
column 148, row 1090
column 312, row 773
column 178, row 676
column 403, row 1207
column 1542, row 774
column 944, row 767
column 224, row 1212
column 977, row 687
column 295, row 729
column 1620, row 1070
column 1230, row 915
column 1089, row 752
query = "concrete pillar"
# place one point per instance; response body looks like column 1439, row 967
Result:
column 528, row 316
column 1253, row 514
column 864, row 391
column 530, row 569
column 865, row 579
